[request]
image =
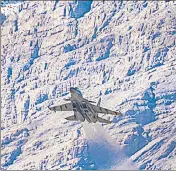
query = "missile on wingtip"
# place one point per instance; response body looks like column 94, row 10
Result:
column 117, row 113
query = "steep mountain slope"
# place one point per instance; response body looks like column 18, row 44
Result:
column 123, row 52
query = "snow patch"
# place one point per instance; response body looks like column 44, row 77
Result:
column 103, row 150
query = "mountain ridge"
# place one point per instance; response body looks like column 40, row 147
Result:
column 120, row 51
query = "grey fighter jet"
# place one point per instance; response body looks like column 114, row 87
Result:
column 83, row 109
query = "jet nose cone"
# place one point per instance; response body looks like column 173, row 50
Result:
column 72, row 89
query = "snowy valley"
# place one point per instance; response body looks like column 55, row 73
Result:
column 121, row 51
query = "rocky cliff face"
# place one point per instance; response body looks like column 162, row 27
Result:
column 121, row 51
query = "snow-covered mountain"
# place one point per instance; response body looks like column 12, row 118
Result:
column 123, row 52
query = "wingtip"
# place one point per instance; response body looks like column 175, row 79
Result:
column 52, row 109
column 119, row 113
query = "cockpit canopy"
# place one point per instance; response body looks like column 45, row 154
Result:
column 76, row 89
column 79, row 92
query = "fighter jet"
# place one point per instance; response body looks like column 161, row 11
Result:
column 83, row 109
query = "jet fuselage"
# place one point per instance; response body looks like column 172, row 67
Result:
column 82, row 108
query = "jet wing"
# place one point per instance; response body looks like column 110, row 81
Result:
column 99, row 109
column 64, row 107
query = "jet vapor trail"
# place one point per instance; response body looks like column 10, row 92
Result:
column 104, row 151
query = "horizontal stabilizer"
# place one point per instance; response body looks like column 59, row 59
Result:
column 71, row 118
column 104, row 120
column 91, row 101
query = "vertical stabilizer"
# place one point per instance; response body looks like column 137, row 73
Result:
column 99, row 101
